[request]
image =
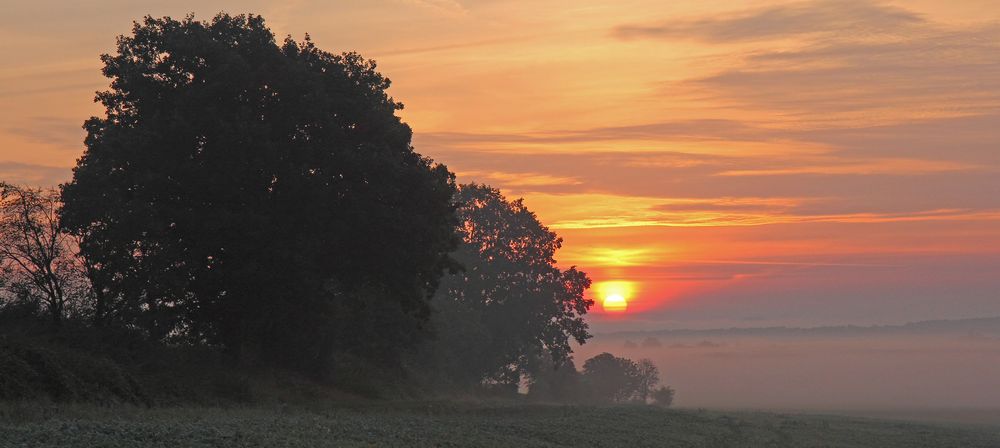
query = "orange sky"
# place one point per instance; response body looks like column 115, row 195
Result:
column 740, row 162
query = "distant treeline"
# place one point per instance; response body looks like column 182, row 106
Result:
column 263, row 200
column 972, row 326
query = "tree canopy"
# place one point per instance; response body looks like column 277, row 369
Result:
column 608, row 378
column 237, row 188
column 510, row 302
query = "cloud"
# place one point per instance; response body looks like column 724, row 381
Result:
column 929, row 72
column 730, row 205
column 55, row 88
column 601, row 211
column 842, row 166
column 56, row 131
column 778, row 22
column 699, row 130
column 968, row 139
column 464, row 45
column 509, row 179
column 34, row 175
column 611, row 256
column 448, row 7
column 841, row 62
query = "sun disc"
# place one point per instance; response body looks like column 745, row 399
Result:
column 615, row 303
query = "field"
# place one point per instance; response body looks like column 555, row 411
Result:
column 460, row 424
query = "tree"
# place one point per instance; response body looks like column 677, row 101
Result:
column 549, row 381
column 647, row 377
column 38, row 265
column 610, row 379
column 664, row 396
column 509, row 303
column 258, row 196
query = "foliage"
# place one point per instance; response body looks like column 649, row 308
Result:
column 435, row 424
column 610, row 379
column 38, row 263
column 550, row 381
column 663, row 396
column 509, row 303
column 31, row 371
column 647, row 377
column 257, row 196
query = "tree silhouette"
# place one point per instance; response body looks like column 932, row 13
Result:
column 510, row 302
column 549, row 381
column 663, row 396
column 647, row 377
column 258, row 196
column 38, row 264
column 608, row 378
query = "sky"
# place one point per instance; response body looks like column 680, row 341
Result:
column 724, row 163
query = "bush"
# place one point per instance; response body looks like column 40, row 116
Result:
column 29, row 371
column 664, row 396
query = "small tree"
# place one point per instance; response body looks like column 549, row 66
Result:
column 664, row 396
column 648, row 376
column 610, row 379
column 511, row 302
column 554, row 381
column 37, row 260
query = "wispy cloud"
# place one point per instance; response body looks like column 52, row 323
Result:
column 594, row 211
column 463, row 45
column 57, row 131
column 842, row 17
column 508, row 179
column 718, row 219
column 841, row 166
column 700, row 130
column 35, row 175
column 926, row 73
column 450, row 7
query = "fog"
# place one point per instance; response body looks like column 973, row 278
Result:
column 944, row 365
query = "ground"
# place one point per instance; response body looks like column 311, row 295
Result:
column 460, row 424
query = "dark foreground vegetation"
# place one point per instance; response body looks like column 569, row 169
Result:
column 416, row 424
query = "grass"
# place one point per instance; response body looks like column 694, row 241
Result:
column 445, row 424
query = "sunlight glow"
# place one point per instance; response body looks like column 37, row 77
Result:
column 615, row 295
column 615, row 303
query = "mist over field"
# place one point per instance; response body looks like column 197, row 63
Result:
column 933, row 366
column 766, row 223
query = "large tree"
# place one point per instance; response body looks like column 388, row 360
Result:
column 259, row 196
column 510, row 304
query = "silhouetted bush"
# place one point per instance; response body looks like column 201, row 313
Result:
column 610, row 379
column 550, row 381
column 663, row 396
column 28, row 370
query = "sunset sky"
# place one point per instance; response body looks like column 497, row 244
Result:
column 729, row 163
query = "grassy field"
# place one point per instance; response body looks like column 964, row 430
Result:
column 457, row 424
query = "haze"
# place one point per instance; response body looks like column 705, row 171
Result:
column 741, row 163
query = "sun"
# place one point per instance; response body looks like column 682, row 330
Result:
column 615, row 294
column 615, row 303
